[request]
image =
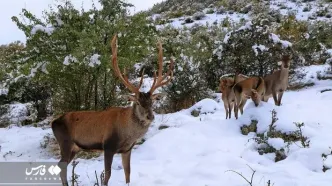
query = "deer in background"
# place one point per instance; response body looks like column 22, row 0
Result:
column 277, row 82
column 253, row 88
column 114, row 130
column 227, row 96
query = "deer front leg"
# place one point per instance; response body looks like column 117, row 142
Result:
column 108, row 159
column 274, row 94
column 280, row 97
column 126, row 165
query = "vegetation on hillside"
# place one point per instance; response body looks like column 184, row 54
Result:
column 65, row 63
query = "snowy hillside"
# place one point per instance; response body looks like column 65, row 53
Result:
column 303, row 10
column 197, row 151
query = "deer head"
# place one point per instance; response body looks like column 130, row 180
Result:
column 257, row 94
column 256, row 97
column 285, row 61
column 225, row 83
column 143, row 100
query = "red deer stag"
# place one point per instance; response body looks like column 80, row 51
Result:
column 277, row 82
column 227, row 96
column 114, row 130
column 253, row 88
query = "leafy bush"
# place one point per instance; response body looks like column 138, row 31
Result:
column 310, row 40
column 70, row 51
column 253, row 50
column 187, row 88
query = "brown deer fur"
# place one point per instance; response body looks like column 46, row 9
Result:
column 114, row 130
column 253, row 88
column 277, row 82
column 225, row 86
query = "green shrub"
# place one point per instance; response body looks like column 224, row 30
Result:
column 262, row 139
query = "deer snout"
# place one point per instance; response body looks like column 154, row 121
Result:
column 256, row 104
column 150, row 117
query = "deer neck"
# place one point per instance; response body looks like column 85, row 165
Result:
column 284, row 73
column 138, row 118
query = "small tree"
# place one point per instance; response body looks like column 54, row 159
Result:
column 70, row 51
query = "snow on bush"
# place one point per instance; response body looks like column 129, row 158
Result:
column 94, row 60
column 47, row 30
column 3, row 91
column 205, row 106
column 17, row 114
column 276, row 39
column 69, row 59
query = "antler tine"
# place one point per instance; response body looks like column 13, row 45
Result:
column 141, row 81
column 169, row 73
column 116, row 69
column 160, row 60
column 159, row 82
column 154, row 79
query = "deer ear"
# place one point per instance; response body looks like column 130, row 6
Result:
column 279, row 63
column 157, row 96
column 130, row 98
column 254, row 91
column 247, row 96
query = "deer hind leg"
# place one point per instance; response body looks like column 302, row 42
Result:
column 231, row 105
column 280, row 97
column 66, row 153
column 226, row 108
column 126, row 165
column 236, row 107
column 66, row 146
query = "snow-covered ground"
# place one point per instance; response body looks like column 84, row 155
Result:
column 197, row 151
column 306, row 11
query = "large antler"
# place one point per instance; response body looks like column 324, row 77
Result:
column 117, row 71
column 159, row 82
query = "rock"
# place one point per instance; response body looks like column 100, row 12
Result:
column 198, row 15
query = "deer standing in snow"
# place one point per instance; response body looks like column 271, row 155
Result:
column 277, row 82
column 253, row 88
column 114, row 130
column 227, row 96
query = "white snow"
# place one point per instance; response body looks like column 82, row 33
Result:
column 197, row 151
column 248, row 25
column 208, row 19
column 94, row 60
column 36, row 28
column 261, row 48
column 328, row 161
column 3, row 90
column 69, row 59
column 275, row 38
column 277, row 143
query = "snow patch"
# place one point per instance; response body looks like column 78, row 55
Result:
column 69, row 59
column 36, row 28
column 94, row 60
column 275, row 38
